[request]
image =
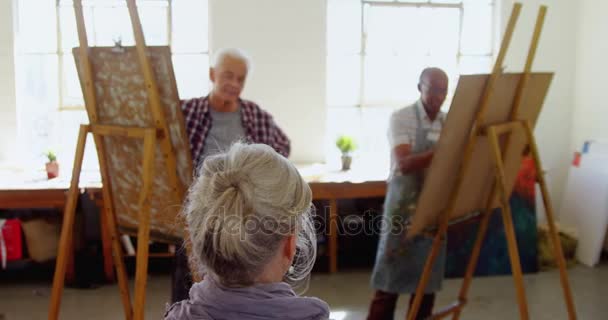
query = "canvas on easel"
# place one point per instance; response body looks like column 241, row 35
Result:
column 144, row 157
column 440, row 181
column 122, row 100
column 475, row 166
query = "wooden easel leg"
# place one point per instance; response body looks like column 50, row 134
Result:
column 106, row 244
column 557, row 246
column 67, row 227
column 143, row 234
column 472, row 264
column 508, row 224
column 109, row 216
column 141, row 272
column 428, row 268
column 119, row 262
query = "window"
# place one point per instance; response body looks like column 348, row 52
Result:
column 376, row 51
column 47, row 33
column 48, row 91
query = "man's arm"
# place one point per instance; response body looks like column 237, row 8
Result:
column 268, row 132
column 410, row 163
column 279, row 140
column 197, row 123
column 401, row 135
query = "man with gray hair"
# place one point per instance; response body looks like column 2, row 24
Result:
column 214, row 122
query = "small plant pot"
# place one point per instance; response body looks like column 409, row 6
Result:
column 52, row 169
column 347, row 159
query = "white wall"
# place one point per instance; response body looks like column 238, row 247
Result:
column 286, row 39
column 591, row 86
column 556, row 53
column 8, row 110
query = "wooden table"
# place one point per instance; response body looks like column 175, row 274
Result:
column 333, row 184
column 20, row 190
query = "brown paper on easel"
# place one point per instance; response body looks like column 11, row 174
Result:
column 477, row 184
column 122, row 100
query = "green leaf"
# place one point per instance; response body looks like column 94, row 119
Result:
column 346, row 144
column 51, row 156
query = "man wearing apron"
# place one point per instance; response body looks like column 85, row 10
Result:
column 413, row 132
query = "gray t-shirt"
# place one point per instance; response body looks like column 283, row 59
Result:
column 226, row 128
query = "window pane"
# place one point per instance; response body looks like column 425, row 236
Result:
column 37, row 26
column 477, row 28
column 191, row 74
column 154, row 19
column 65, row 135
column 67, row 25
column 374, row 143
column 190, row 26
column 343, row 74
column 475, row 64
column 392, row 80
column 37, row 98
column 71, row 91
column 343, row 27
column 443, row 31
column 396, row 30
column 412, row 30
column 36, row 80
column 112, row 23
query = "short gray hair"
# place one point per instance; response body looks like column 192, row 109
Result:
column 234, row 53
column 241, row 207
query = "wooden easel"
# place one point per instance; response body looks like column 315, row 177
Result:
column 500, row 188
column 156, row 135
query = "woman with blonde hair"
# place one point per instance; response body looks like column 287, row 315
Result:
column 249, row 215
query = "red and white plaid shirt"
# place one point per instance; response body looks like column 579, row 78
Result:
column 258, row 124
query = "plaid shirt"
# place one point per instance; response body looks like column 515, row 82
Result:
column 258, row 124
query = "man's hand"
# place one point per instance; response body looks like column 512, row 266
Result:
column 409, row 163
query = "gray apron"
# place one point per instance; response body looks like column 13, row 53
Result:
column 399, row 265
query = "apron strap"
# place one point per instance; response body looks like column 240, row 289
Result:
column 439, row 117
column 418, row 118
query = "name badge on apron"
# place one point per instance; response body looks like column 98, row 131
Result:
column 433, row 136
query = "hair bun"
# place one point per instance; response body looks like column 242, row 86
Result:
column 227, row 179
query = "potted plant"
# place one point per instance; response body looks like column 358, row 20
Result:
column 52, row 167
column 346, row 145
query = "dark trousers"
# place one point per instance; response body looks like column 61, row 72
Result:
column 384, row 303
column 181, row 278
